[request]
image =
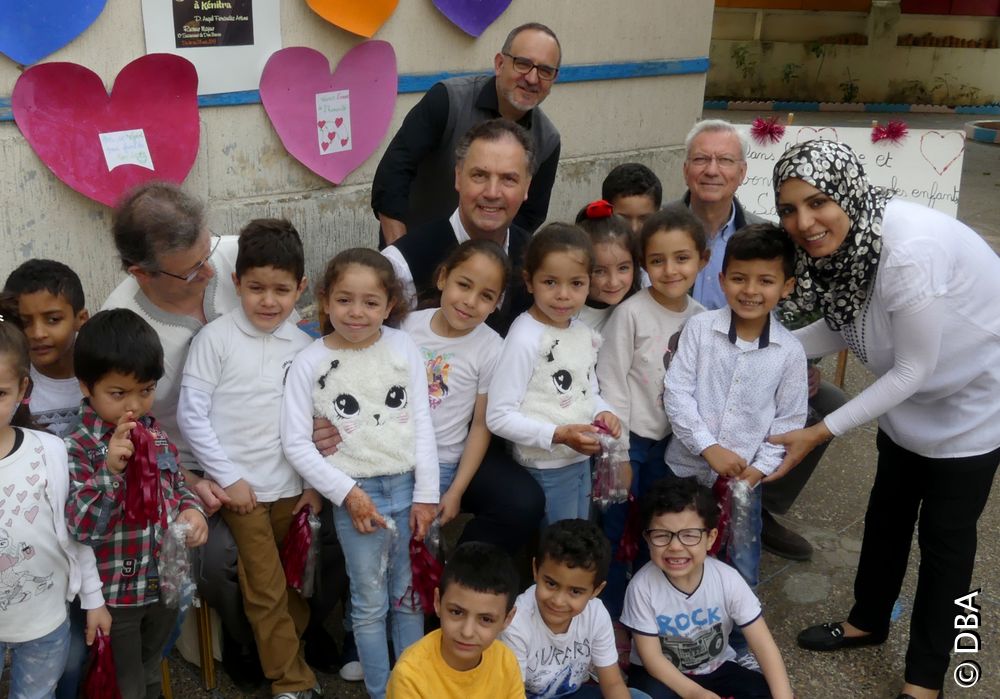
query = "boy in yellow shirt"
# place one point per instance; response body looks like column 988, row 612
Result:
column 475, row 602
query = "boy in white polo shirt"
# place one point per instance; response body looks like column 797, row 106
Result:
column 229, row 410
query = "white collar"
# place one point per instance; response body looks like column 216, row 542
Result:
column 461, row 235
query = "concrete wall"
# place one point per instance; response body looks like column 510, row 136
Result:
column 242, row 170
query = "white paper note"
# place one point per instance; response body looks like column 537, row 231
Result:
column 333, row 121
column 126, row 148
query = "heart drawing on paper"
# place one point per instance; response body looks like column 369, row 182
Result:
column 64, row 112
column 808, row 133
column 472, row 16
column 361, row 17
column 941, row 150
column 30, row 31
column 292, row 79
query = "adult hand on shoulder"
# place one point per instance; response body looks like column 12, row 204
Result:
column 311, row 497
column 581, row 438
column 326, row 437
column 797, row 444
column 97, row 619
column 120, row 447
column 421, row 516
column 242, row 499
column 198, row 533
column 364, row 514
column 392, row 228
column 723, row 461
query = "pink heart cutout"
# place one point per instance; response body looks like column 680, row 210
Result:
column 31, row 514
column 61, row 108
column 294, row 76
column 938, row 153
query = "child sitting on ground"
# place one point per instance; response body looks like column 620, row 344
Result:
column 561, row 630
column 682, row 606
column 475, row 602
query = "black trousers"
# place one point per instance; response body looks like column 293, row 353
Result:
column 728, row 680
column 944, row 498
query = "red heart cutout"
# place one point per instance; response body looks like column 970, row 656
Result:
column 339, row 122
column 294, row 76
column 62, row 108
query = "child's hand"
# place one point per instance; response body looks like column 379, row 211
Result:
column 751, row 475
column 723, row 461
column 212, row 495
column 581, row 438
column 450, row 506
column 99, row 618
column 120, row 448
column 242, row 499
column 311, row 497
column 198, row 533
column 326, row 437
column 364, row 514
column 612, row 422
column 421, row 516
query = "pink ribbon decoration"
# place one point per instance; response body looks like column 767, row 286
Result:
column 142, row 480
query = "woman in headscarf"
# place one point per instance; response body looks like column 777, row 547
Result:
column 912, row 293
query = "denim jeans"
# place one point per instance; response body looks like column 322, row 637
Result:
column 36, row 665
column 379, row 567
column 77, row 656
column 447, row 476
column 593, row 691
column 567, row 491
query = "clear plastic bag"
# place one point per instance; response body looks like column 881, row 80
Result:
column 740, row 532
column 176, row 582
column 611, row 473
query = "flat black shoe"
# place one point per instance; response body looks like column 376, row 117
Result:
column 321, row 651
column 782, row 541
column 827, row 637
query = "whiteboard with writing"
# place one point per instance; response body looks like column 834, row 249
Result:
column 925, row 167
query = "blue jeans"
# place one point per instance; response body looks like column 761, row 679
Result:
column 379, row 567
column 447, row 476
column 77, row 656
column 567, row 491
column 593, row 691
column 36, row 665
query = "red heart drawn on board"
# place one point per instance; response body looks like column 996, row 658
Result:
column 941, row 150
column 332, row 135
column 808, row 133
column 294, row 76
column 339, row 121
column 325, row 146
column 344, row 141
column 321, row 123
column 63, row 108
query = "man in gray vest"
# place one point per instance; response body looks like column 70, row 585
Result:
column 414, row 182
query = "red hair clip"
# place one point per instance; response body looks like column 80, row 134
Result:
column 599, row 209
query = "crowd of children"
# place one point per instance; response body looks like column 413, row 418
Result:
column 415, row 398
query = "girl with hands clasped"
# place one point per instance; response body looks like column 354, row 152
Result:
column 545, row 399
column 370, row 382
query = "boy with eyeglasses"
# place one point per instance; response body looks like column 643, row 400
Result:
column 682, row 606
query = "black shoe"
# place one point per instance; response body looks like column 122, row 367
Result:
column 321, row 650
column 782, row 541
column 826, row 637
column 242, row 664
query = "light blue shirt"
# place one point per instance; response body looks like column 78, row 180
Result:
column 707, row 290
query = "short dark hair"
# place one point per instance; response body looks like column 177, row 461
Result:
column 270, row 242
column 557, row 237
column 530, row 26
column 673, row 217
column 47, row 275
column 761, row 241
column 673, row 494
column 632, row 180
column 117, row 340
column 482, row 567
column 577, row 543
column 153, row 219
column 493, row 130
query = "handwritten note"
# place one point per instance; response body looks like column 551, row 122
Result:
column 126, row 148
column 333, row 121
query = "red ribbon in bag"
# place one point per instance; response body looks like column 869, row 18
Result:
column 628, row 546
column 101, row 681
column 142, row 480
column 426, row 572
column 295, row 549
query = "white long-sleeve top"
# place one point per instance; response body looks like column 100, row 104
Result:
column 545, row 378
column 723, row 390
column 383, row 432
column 930, row 332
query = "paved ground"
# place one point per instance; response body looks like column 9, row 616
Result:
column 830, row 513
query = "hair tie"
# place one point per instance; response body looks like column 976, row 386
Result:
column 599, row 209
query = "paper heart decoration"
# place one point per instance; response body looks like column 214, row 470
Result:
column 32, row 30
column 362, row 17
column 472, row 16
column 294, row 76
column 63, row 109
column 941, row 150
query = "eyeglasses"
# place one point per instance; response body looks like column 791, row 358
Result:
column 189, row 277
column 724, row 161
column 525, row 65
column 662, row 537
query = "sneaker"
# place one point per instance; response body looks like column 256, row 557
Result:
column 314, row 693
column 350, row 670
column 782, row 541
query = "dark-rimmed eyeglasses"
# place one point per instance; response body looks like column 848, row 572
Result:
column 525, row 65
column 662, row 537
column 189, row 277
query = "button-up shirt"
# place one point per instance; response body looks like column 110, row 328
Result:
column 707, row 290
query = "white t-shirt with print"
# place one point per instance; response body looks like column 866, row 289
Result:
column 693, row 629
column 459, row 369
column 557, row 664
column 55, row 403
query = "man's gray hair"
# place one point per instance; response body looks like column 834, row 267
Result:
column 715, row 126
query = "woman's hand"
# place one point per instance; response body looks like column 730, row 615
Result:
column 797, row 444
column 364, row 514
column 421, row 516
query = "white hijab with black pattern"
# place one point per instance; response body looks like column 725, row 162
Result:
column 837, row 285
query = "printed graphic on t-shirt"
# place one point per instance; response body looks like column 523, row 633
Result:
column 438, row 369
column 690, row 652
column 17, row 584
column 59, row 421
column 557, row 670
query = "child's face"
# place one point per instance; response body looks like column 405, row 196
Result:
column 672, row 262
column 754, row 287
column 560, row 286
column 635, row 208
column 12, row 388
column 681, row 563
column 357, row 305
column 470, row 622
column 469, row 293
column 613, row 273
column 268, row 295
column 115, row 394
column 50, row 325
column 562, row 592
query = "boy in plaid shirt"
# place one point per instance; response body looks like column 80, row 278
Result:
column 118, row 359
